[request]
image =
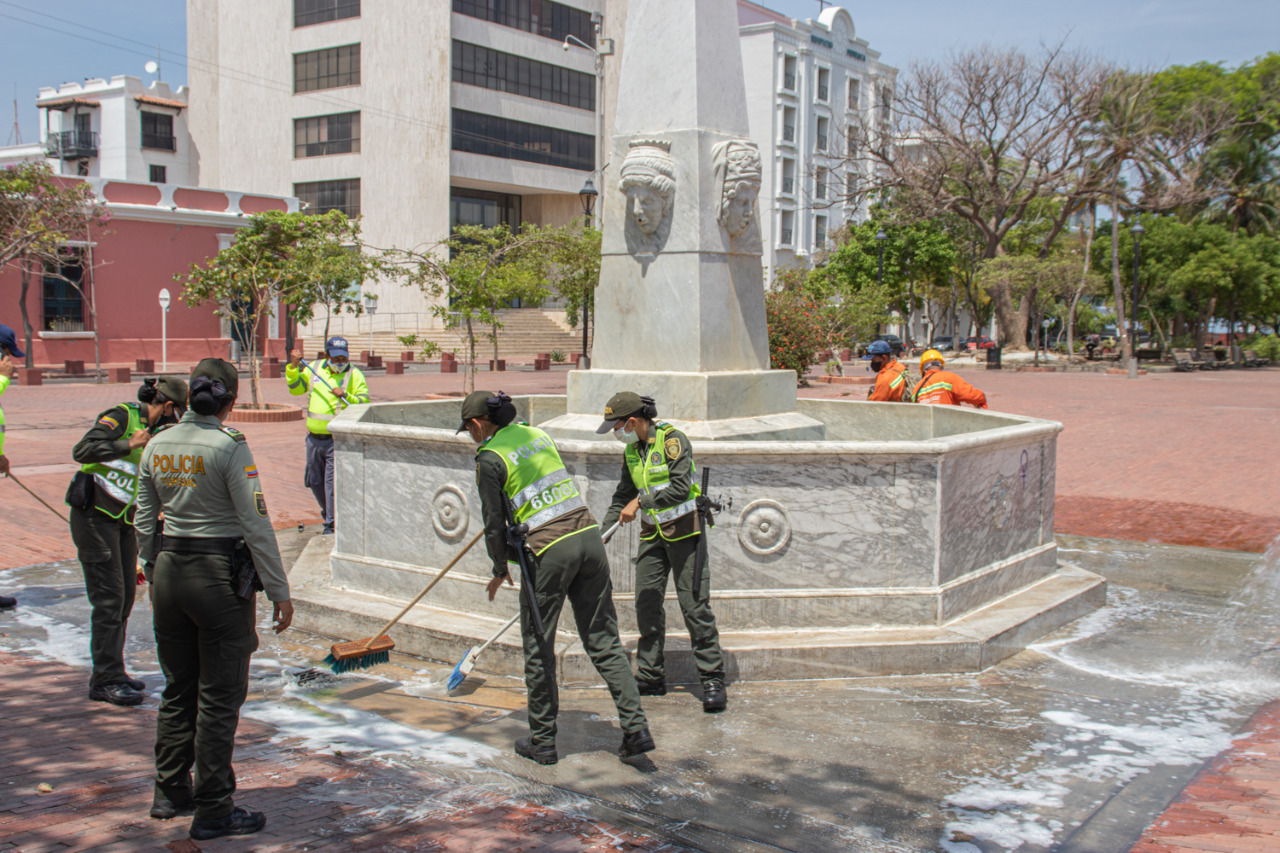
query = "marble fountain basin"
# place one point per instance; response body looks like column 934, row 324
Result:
column 911, row 539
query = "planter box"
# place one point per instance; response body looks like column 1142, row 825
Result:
column 373, row 362
column 846, row 355
column 270, row 370
column 497, row 364
column 145, row 365
column 30, row 376
column 448, row 367
column 274, row 413
column 542, row 363
column 406, row 355
column 395, row 368
column 119, row 374
column 73, row 368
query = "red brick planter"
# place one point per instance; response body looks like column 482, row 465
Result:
column 844, row 380
column 395, row 368
column 274, row 413
column 30, row 376
column 448, row 367
column 145, row 365
column 498, row 364
column 373, row 362
column 73, row 368
column 448, row 395
column 406, row 355
column 846, row 355
column 542, row 363
column 119, row 374
column 269, row 370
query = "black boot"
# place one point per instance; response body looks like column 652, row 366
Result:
column 239, row 822
column 714, row 699
column 163, row 808
column 136, row 683
column 116, row 694
column 636, row 743
column 6, row 602
column 651, row 688
column 541, row 754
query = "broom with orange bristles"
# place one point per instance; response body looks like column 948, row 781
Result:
column 362, row 654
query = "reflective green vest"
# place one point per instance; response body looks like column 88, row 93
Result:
column 119, row 477
column 538, row 486
column 322, row 404
column 651, row 474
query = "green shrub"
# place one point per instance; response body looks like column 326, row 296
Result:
column 557, row 356
column 1266, row 346
column 794, row 335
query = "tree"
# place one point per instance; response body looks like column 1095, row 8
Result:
column 39, row 213
column 475, row 274
column 289, row 258
column 572, row 266
column 795, row 329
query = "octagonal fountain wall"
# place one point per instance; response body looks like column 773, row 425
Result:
column 904, row 518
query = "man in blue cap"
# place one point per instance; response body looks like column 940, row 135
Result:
column 892, row 380
column 330, row 387
column 8, row 351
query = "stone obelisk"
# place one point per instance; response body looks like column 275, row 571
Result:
column 680, row 308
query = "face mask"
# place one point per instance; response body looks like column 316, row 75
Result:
column 163, row 420
column 876, row 365
column 339, row 368
column 625, row 437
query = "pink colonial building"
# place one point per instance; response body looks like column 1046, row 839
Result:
column 155, row 231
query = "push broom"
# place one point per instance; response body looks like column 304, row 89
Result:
column 362, row 654
column 468, row 662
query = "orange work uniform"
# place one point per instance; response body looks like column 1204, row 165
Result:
column 890, row 383
column 948, row 389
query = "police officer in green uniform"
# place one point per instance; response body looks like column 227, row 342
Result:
column 659, row 484
column 522, row 480
column 202, row 476
column 102, row 500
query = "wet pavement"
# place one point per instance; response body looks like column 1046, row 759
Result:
column 1077, row 744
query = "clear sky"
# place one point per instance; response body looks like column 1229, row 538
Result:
column 44, row 44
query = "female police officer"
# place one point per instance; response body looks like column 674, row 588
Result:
column 202, row 476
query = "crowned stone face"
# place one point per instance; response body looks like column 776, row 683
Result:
column 738, row 210
column 644, row 206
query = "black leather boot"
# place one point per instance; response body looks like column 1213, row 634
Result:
column 239, row 822
column 526, row 748
column 636, row 743
column 163, row 808
column 116, row 694
column 651, row 688
column 714, row 699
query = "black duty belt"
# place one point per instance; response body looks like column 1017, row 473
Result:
column 318, row 437
column 223, row 545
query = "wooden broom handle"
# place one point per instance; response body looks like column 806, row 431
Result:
column 387, row 627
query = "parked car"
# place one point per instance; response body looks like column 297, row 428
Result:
column 894, row 342
column 978, row 342
column 942, row 343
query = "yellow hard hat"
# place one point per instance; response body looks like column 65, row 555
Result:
column 931, row 355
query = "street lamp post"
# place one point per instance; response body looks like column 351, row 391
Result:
column 371, row 308
column 588, row 195
column 1137, row 231
column 164, row 329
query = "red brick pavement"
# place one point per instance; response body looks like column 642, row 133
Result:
column 1233, row 805
column 97, row 761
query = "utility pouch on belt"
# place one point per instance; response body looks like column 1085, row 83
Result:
column 244, row 573
column 80, row 492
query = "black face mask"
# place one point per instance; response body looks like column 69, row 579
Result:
column 877, row 365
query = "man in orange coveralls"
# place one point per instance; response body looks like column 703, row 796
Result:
column 891, row 375
column 942, row 386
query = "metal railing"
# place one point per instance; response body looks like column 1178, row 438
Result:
column 822, row 142
column 786, row 236
column 824, row 92
column 72, row 144
column 161, row 141
column 789, row 82
column 788, row 185
column 788, row 133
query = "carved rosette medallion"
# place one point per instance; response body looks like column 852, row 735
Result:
column 449, row 515
column 764, row 527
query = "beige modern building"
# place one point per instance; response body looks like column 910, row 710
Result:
column 417, row 115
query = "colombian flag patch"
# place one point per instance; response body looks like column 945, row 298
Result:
column 251, row 470
column 111, row 422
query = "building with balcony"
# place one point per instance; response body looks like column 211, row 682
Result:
column 807, row 82
column 121, row 129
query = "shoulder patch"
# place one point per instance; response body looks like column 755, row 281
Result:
column 234, row 433
column 260, row 504
column 672, row 447
column 162, row 429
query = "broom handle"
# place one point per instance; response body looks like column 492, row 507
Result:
column 387, row 627
column 24, row 488
column 489, row 642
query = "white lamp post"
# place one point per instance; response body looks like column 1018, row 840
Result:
column 164, row 330
column 371, row 308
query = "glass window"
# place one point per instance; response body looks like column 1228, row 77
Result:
column 331, row 134
column 822, row 134
column 493, row 136
column 824, row 84
column 819, row 233
column 541, row 17
column 820, row 184
column 308, row 12
column 785, row 235
column 789, row 73
column 62, row 308
column 157, row 131
column 854, row 93
column 330, row 68
column 479, row 66
column 158, row 174
column 324, row 196
column 477, row 207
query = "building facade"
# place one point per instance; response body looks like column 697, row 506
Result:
column 416, row 116
column 121, row 129
column 807, row 83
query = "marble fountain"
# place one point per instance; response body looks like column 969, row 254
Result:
column 858, row 538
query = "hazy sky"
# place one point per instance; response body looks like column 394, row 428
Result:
column 45, row 44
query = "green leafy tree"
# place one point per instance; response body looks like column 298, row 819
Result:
column 795, row 332
column 288, row 258
column 571, row 264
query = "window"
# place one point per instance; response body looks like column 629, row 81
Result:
column 321, row 135
column 83, row 123
column 788, row 125
column 853, row 93
column 820, row 184
column 82, row 168
column 158, row 174
column 157, row 131
column 308, row 12
column 851, row 185
column 324, row 196
column 493, row 136
column 824, row 84
column 518, row 75
column 822, row 133
column 789, row 73
column 541, row 17
column 62, row 305
column 789, row 177
column 330, row 68
column 785, row 233
column 819, row 233
column 477, row 207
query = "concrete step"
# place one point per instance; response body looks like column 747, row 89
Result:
column 972, row 643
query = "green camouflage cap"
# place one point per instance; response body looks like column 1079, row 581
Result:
column 219, row 371
column 623, row 405
column 475, row 406
column 173, row 389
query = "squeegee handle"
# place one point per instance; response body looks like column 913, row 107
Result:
column 608, row 534
column 489, row 642
column 323, row 381
column 387, row 627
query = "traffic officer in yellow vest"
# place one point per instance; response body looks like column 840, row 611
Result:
column 659, row 483
column 102, row 498
column 216, row 549
column 523, row 485
column 330, row 387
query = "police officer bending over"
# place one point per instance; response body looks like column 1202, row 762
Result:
column 102, row 498
column 658, row 484
column 522, row 480
column 201, row 475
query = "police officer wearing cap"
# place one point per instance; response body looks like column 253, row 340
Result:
column 331, row 387
column 201, row 563
column 659, row 484
column 522, row 481
column 8, row 351
column 103, row 500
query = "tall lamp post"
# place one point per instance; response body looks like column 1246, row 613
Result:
column 1137, row 231
column 371, row 308
column 588, row 196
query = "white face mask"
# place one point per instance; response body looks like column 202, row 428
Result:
column 625, row 437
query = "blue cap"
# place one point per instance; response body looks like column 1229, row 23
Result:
column 877, row 348
column 10, row 340
column 337, row 346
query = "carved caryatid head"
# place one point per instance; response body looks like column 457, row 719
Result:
column 648, row 178
column 737, row 168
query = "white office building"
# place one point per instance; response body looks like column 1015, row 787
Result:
column 807, row 82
